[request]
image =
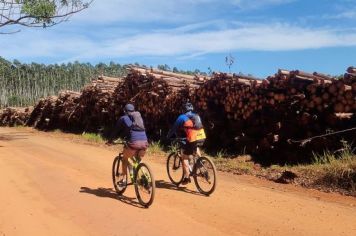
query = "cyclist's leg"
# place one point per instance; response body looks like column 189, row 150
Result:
column 127, row 153
column 142, row 149
column 187, row 152
column 185, row 165
column 141, row 153
column 199, row 144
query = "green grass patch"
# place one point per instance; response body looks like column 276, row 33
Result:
column 19, row 126
column 155, row 148
column 236, row 165
column 336, row 170
column 97, row 138
column 329, row 171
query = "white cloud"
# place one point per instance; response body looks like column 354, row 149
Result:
column 163, row 11
column 183, row 42
column 108, row 11
column 276, row 37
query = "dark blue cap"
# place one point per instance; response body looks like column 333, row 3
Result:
column 129, row 108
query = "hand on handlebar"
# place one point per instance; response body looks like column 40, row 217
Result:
column 116, row 141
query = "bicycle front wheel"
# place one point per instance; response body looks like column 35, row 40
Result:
column 145, row 186
column 205, row 175
column 119, row 180
column 175, row 168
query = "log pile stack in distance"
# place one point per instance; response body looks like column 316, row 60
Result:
column 240, row 113
column 158, row 95
column 14, row 116
column 263, row 116
column 77, row 111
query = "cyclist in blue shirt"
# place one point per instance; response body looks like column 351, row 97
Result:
column 132, row 128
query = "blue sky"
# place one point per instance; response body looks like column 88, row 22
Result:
column 262, row 35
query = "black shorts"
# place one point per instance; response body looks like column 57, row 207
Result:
column 191, row 148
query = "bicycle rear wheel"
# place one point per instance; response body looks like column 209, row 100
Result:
column 175, row 168
column 205, row 175
column 119, row 180
column 145, row 186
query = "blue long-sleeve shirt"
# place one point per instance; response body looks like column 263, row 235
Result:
column 178, row 124
column 123, row 125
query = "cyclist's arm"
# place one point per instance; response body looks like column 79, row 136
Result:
column 177, row 124
column 119, row 127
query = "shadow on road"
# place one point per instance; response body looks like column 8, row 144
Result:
column 110, row 193
column 170, row 186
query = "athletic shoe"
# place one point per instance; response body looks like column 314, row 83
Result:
column 185, row 181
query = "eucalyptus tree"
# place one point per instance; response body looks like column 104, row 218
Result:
column 38, row 13
column 23, row 84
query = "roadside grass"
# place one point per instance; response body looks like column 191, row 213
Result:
column 155, row 148
column 92, row 137
column 237, row 165
column 330, row 172
column 335, row 170
column 19, row 126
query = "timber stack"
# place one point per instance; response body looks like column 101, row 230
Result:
column 14, row 116
column 260, row 116
column 75, row 111
column 96, row 107
column 157, row 94
column 54, row 111
column 241, row 113
column 350, row 77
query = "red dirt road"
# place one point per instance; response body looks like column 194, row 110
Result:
column 54, row 186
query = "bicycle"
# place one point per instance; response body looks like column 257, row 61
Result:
column 141, row 177
column 201, row 168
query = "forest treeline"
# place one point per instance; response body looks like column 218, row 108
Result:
column 23, row 84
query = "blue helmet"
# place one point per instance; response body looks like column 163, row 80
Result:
column 129, row 108
column 188, row 107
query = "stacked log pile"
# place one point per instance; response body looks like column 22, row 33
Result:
column 76, row 111
column 54, row 111
column 241, row 113
column 313, row 105
column 157, row 94
column 13, row 116
column 350, row 77
column 43, row 113
column 96, row 107
column 257, row 116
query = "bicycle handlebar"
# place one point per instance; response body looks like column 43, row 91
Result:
column 177, row 141
column 122, row 142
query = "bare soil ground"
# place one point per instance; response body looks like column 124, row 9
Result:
column 53, row 184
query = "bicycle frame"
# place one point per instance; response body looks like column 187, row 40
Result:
column 193, row 158
column 197, row 168
column 133, row 166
